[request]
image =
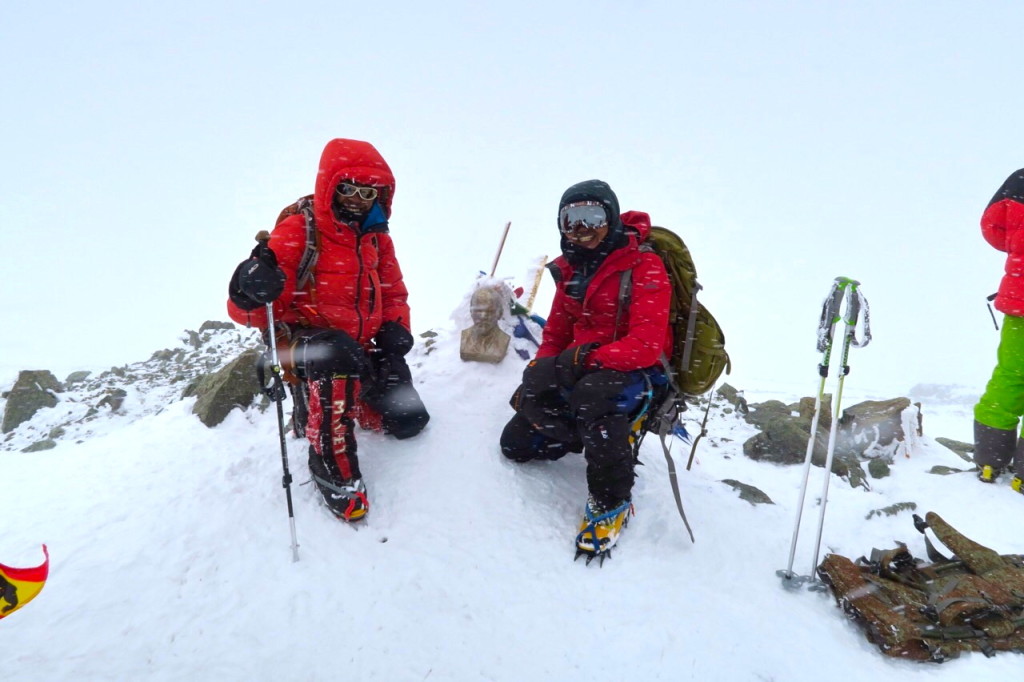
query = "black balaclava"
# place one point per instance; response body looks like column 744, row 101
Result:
column 585, row 262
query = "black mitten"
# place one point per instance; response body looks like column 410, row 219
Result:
column 257, row 280
column 393, row 339
column 571, row 364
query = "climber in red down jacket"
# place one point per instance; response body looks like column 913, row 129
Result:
column 341, row 317
column 601, row 355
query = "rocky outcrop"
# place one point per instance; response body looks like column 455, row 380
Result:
column 133, row 391
column 232, row 386
column 33, row 390
column 871, row 430
column 882, row 429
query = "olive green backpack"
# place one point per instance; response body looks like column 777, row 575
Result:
column 698, row 350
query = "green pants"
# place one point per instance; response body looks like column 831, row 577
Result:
column 1002, row 404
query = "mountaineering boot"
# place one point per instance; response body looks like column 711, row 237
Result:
column 601, row 526
column 987, row 474
column 993, row 450
column 346, row 498
column 1017, row 482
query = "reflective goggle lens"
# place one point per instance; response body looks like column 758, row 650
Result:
column 347, row 190
column 589, row 216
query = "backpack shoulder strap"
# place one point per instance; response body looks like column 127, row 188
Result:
column 625, row 293
column 312, row 251
column 979, row 559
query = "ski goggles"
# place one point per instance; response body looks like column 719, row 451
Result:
column 349, row 190
column 582, row 217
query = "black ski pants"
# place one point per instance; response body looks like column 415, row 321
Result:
column 594, row 417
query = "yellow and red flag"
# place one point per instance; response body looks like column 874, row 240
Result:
column 19, row 586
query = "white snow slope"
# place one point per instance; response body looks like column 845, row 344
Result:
column 170, row 555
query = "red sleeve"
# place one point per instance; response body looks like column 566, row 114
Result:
column 394, row 294
column 558, row 328
column 644, row 343
column 288, row 242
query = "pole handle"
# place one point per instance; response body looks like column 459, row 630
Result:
column 830, row 314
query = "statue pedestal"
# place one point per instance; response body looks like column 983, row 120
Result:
column 490, row 346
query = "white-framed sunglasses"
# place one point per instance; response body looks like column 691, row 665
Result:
column 347, row 190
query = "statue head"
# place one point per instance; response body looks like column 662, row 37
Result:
column 485, row 309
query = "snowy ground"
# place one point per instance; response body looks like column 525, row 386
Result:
column 170, row 556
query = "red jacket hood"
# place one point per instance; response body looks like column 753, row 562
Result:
column 638, row 221
column 351, row 160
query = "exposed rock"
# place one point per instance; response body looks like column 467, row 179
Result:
column 879, row 428
column 806, row 409
column 942, row 470
column 748, row 492
column 784, row 440
column 232, row 386
column 871, row 430
column 114, row 399
column 768, row 410
column 33, row 390
column 734, row 397
column 964, row 451
column 892, row 509
column 39, row 446
column 212, row 325
column 431, row 338
column 76, row 378
column 878, row 468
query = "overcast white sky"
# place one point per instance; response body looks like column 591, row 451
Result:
column 144, row 144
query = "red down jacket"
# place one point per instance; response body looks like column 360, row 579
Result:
column 1002, row 225
column 357, row 283
column 644, row 333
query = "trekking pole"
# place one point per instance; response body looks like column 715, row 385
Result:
column 826, row 329
column 501, row 246
column 850, row 319
column 277, row 393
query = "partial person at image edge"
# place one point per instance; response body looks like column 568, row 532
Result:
column 997, row 415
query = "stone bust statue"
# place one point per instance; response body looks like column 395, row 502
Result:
column 484, row 341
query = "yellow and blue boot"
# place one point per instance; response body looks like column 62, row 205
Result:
column 993, row 450
column 600, row 528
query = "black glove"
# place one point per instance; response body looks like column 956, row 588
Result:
column 547, row 411
column 539, row 377
column 570, row 365
column 257, row 280
column 393, row 339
